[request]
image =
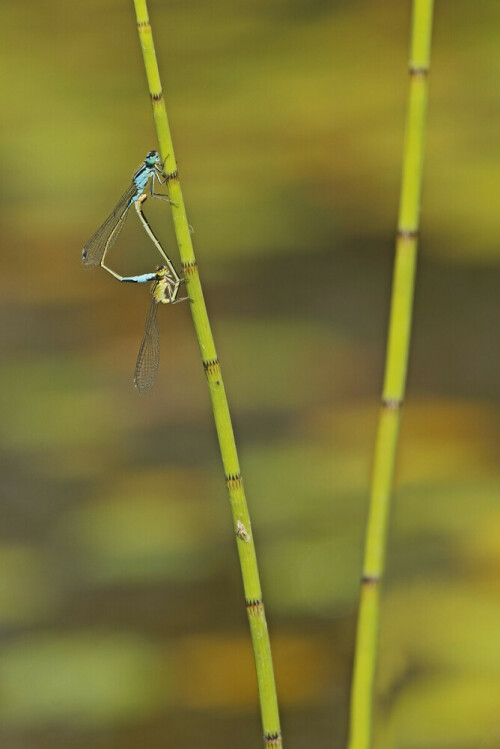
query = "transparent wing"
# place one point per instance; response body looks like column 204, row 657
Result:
column 149, row 353
column 106, row 235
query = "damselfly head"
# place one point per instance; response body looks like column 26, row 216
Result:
column 161, row 271
column 152, row 158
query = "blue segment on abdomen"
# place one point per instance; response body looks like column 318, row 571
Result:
column 140, row 279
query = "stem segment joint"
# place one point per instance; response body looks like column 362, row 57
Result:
column 234, row 482
column 189, row 269
column 408, row 233
column 255, row 605
column 272, row 740
column 370, row 579
column 418, row 71
column 392, row 404
column 171, row 176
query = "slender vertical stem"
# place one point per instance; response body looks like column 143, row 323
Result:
column 241, row 520
column 394, row 381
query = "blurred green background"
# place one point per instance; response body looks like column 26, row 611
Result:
column 121, row 606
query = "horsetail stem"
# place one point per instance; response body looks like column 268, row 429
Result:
column 241, row 520
column 365, row 657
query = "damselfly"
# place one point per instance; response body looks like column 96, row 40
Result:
column 96, row 248
column 164, row 289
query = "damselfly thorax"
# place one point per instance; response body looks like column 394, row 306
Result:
column 165, row 287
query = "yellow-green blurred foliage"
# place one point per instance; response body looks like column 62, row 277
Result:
column 121, row 608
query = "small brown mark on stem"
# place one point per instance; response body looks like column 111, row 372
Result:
column 392, row 404
column 242, row 532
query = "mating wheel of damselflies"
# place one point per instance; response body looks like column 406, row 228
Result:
column 165, row 280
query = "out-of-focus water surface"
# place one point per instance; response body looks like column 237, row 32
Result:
column 121, row 606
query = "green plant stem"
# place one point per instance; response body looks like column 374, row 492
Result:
column 365, row 659
column 242, row 527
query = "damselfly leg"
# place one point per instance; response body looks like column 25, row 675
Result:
column 147, row 228
column 170, row 279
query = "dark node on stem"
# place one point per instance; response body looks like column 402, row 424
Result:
column 172, row 175
column 143, row 24
column 254, row 604
column 272, row 740
column 392, row 404
column 408, row 233
column 212, row 371
column 234, row 482
column 207, row 365
column 189, row 268
column 370, row 579
column 157, row 96
column 419, row 71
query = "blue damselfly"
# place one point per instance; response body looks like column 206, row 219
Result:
column 99, row 244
